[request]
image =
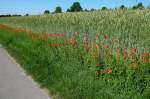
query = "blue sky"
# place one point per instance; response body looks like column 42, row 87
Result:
column 38, row 6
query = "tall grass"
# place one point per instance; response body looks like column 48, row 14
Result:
column 102, row 54
column 115, row 22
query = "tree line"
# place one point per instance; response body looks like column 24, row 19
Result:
column 9, row 15
column 76, row 7
column 14, row 15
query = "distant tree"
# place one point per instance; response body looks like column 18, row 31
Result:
column 16, row 15
column 93, row 9
column 58, row 9
column 134, row 7
column 46, row 12
column 68, row 10
column 27, row 14
column 86, row 10
column 122, row 7
column 5, row 15
column 76, row 7
column 104, row 8
column 138, row 6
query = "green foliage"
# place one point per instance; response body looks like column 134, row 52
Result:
column 134, row 7
column 68, row 10
column 122, row 7
column 76, row 7
column 138, row 6
column 104, row 8
column 27, row 14
column 70, row 71
column 46, row 12
column 58, row 9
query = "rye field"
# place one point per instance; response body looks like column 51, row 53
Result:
column 84, row 55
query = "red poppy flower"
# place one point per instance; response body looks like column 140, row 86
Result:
column 106, row 46
column 107, row 71
column 106, row 37
column 96, row 46
column 97, row 36
column 145, row 54
column 145, row 60
column 72, row 41
column 145, row 57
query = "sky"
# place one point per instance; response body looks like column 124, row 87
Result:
column 38, row 6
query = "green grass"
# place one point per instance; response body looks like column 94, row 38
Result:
column 70, row 71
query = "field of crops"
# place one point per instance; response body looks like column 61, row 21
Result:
column 86, row 55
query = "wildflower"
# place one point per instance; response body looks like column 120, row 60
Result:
column 145, row 57
column 96, row 46
column 107, row 71
column 132, row 51
column 106, row 37
column 145, row 60
column 97, row 37
column 145, row 54
column 135, row 49
column 73, row 41
column 106, row 46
